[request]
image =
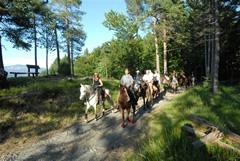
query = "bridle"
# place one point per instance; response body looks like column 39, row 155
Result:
column 88, row 98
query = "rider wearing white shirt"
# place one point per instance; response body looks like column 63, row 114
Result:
column 157, row 75
column 148, row 79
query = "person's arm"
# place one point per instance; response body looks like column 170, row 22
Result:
column 131, row 81
column 122, row 81
column 101, row 83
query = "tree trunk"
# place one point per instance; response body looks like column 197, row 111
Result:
column 165, row 47
column 1, row 57
column 47, row 52
column 3, row 73
column 206, row 53
column 57, row 46
column 67, row 37
column 35, row 43
column 72, row 57
column 228, row 134
column 209, row 43
column 217, row 49
column 156, row 42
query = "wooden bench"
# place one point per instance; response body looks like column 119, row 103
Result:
column 16, row 73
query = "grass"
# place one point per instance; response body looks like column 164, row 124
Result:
column 34, row 107
column 164, row 139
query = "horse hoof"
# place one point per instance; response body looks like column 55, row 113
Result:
column 122, row 125
column 85, row 120
column 130, row 121
column 103, row 113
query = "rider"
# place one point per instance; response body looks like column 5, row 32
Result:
column 174, row 74
column 148, row 77
column 182, row 74
column 157, row 75
column 127, row 80
column 138, row 77
column 97, row 85
column 166, row 75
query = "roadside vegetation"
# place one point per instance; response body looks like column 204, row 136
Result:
column 33, row 107
column 164, row 139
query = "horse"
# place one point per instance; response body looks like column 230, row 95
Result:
column 174, row 85
column 181, row 80
column 184, row 81
column 165, row 81
column 88, row 92
column 146, row 92
column 156, row 87
column 125, row 102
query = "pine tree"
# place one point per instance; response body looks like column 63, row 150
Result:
column 69, row 11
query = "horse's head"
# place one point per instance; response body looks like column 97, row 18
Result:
column 123, row 92
column 82, row 92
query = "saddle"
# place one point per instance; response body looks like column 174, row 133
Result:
column 104, row 94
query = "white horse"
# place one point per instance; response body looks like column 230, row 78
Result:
column 86, row 91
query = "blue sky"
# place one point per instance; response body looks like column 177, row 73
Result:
column 92, row 22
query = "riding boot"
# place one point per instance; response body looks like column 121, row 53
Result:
column 100, row 100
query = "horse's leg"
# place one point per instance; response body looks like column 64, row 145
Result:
column 111, row 102
column 147, row 103
column 144, row 103
column 122, row 111
column 133, row 117
column 128, row 112
column 86, row 116
column 95, row 109
column 103, row 107
column 151, row 104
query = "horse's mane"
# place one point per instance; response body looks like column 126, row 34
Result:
column 89, row 88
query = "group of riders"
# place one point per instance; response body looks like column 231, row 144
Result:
column 148, row 79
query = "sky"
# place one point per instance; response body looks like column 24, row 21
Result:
column 92, row 25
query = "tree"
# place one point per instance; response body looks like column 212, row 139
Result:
column 14, row 22
column 47, row 35
column 217, row 49
column 135, row 10
column 69, row 11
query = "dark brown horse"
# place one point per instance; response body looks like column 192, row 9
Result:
column 124, row 102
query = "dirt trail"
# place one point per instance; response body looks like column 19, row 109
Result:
column 98, row 140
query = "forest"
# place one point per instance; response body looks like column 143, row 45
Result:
column 200, row 37
column 169, row 35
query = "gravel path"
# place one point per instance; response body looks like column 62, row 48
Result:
column 97, row 140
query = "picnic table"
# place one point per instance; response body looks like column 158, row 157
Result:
column 36, row 67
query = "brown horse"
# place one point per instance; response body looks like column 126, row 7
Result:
column 124, row 102
column 146, row 92
column 156, row 87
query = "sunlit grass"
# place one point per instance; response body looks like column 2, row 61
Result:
column 166, row 141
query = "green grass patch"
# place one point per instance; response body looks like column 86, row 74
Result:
column 164, row 139
column 33, row 107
